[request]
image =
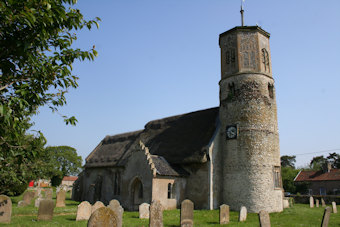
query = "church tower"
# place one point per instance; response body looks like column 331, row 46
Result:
column 248, row 115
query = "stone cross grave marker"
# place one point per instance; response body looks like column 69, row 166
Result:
column 144, row 211
column 46, row 208
column 187, row 213
column 118, row 209
column 5, row 209
column 61, row 198
column 83, row 211
column 317, row 203
column 323, row 202
column 96, row 206
column 325, row 218
column 156, row 214
column 243, row 214
column 311, row 202
column 334, row 207
column 264, row 218
column 103, row 217
column 224, row 214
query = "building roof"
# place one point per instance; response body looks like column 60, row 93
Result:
column 181, row 139
column 70, row 178
column 332, row 175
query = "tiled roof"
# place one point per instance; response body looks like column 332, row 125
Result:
column 70, row 178
column 333, row 175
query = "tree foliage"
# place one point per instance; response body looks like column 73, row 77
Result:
column 36, row 58
column 288, row 161
column 288, row 174
column 317, row 162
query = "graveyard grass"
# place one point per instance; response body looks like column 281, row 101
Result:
column 299, row 215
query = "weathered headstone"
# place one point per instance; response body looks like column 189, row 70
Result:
column 264, row 218
column 103, row 217
column 61, row 195
column 118, row 209
column 187, row 213
column 325, row 218
column 311, row 202
column 84, row 211
column 144, row 209
column 317, row 203
column 285, row 203
column 28, row 196
column 96, row 206
column 5, row 209
column 323, row 202
column 334, row 207
column 22, row 203
column 156, row 214
column 291, row 201
column 243, row 214
column 224, row 214
column 37, row 201
column 46, row 208
column 48, row 193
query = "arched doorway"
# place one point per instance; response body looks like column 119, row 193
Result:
column 137, row 193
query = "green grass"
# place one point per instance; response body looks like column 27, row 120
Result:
column 299, row 215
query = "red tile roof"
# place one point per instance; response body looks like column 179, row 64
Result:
column 333, row 175
column 70, row 178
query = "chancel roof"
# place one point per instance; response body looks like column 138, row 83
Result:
column 181, row 139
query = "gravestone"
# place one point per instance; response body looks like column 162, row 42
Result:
column 224, row 214
column 83, row 211
column 264, row 218
column 21, row 203
column 323, row 202
column 187, row 213
column 97, row 205
column 28, row 196
column 243, row 214
column 46, row 208
column 311, row 202
column 156, row 214
column 48, row 193
column 291, row 201
column 5, row 209
column 325, row 218
column 144, row 209
column 317, row 203
column 118, row 209
column 103, row 217
column 37, row 201
column 61, row 198
column 285, row 203
column 334, row 208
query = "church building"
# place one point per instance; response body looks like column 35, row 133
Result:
column 223, row 155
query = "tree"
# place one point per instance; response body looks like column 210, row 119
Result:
column 288, row 161
column 62, row 161
column 317, row 162
column 36, row 58
column 334, row 159
column 288, row 174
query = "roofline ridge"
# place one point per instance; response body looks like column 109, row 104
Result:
column 148, row 158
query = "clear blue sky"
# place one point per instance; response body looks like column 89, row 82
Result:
column 161, row 58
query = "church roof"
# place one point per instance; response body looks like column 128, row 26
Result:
column 181, row 139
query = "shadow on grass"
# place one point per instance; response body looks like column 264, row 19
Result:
column 71, row 219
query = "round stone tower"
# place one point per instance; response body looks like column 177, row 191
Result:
column 248, row 115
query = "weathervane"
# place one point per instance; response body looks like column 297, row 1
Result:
column 242, row 18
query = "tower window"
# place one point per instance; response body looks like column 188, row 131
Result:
column 231, row 87
column 277, row 177
column 265, row 60
column 271, row 90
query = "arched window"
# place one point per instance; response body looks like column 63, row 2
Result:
column 265, row 59
column 169, row 190
column 271, row 90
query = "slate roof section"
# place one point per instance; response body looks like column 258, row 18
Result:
column 333, row 175
column 181, row 139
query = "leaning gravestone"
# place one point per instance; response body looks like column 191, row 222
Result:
column 96, row 206
column 311, row 202
column 323, row 202
column 334, row 208
column 46, row 208
column 118, row 209
column 224, row 214
column 83, row 211
column 317, row 203
column 243, row 214
column 61, row 198
column 5, row 209
column 28, row 196
column 144, row 209
column 103, row 217
column 325, row 218
column 48, row 193
column 187, row 213
column 156, row 214
column 264, row 218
